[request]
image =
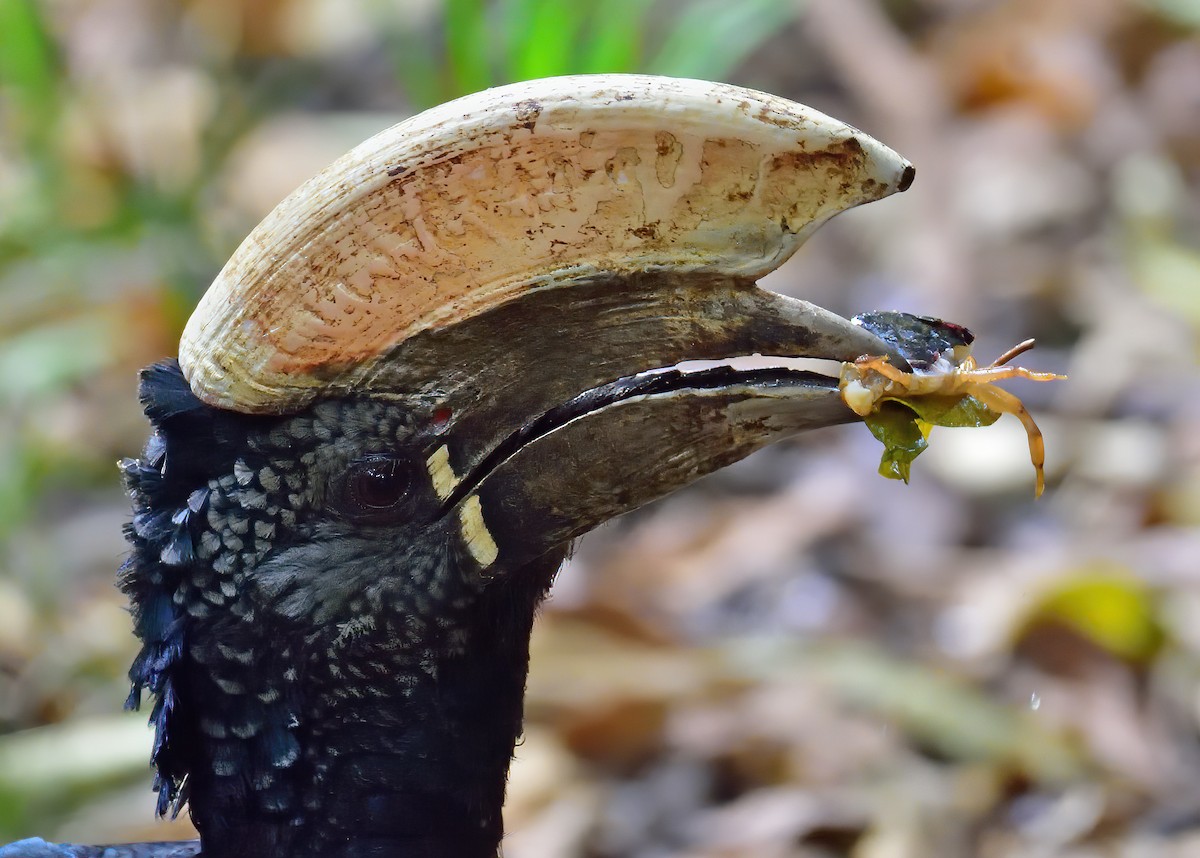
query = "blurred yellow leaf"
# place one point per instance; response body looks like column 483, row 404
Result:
column 1169, row 273
column 934, row 708
column 1107, row 607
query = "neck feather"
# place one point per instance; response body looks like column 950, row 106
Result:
column 331, row 729
column 402, row 752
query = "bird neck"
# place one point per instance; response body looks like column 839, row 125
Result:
column 402, row 750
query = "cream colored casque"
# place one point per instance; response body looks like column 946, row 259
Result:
column 530, row 186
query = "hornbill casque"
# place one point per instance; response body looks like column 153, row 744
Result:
column 415, row 383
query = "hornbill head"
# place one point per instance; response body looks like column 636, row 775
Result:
column 412, row 386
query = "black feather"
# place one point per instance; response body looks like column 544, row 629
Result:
column 191, row 444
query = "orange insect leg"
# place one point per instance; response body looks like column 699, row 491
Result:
column 1005, row 403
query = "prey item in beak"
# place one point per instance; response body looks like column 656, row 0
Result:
column 608, row 183
column 620, row 445
column 947, row 387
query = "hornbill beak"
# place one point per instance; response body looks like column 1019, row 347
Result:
column 522, row 267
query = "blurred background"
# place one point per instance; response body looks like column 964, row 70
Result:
column 795, row 657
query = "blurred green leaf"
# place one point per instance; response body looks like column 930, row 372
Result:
column 16, row 482
column 937, row 709
column 49, row 357
column 710, row 38
column 1168, row 272
column 1184, row 12
column 28, row 60
column 469, row 40
column 616, row 36
column 489, row 44
column 30, row 77
column 541, row 37
column 946, row 713
column 49, row 769
column 416, row 66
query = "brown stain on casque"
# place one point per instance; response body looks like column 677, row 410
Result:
column 527, row 113
column 846, row 155
column 842, row 164
column 846, row 158
column 647, row 232
column 622, row 160
column 668, row 153
column 769, row 116
column 561, row 172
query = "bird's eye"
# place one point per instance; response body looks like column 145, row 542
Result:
column 376, row 487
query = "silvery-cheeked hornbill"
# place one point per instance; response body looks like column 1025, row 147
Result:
column 422, row 376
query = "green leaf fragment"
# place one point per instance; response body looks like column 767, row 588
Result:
column 903, row 426
column 903, row 438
